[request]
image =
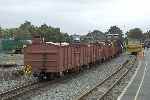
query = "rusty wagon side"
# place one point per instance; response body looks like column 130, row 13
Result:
column 50, row 60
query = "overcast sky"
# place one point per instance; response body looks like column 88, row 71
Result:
column 77, row 16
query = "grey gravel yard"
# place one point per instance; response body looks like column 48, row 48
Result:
column 11, row 58
column 8, row 78
column 117, row 90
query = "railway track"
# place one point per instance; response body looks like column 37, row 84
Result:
column 100, row 91
column 12, row 93
column 24, row 88
column 6, row 95
column 15, row 92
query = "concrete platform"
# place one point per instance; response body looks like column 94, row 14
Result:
column 139, row 86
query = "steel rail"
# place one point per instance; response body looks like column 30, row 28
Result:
column 88, row 91
column 18, row 90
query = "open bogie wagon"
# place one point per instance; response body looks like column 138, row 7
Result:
column 45, row 59
column 49, row 60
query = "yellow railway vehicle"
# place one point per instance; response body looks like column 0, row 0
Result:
column 134, row 46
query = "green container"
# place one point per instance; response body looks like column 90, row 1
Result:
column 10, row 45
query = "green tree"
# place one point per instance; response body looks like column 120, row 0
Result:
column 94, row 36
column 7, row 33
column 135, row 33
column 67, row 38
column 26, row 26
column 114, row 30
column 147, row 35
column 27, row 30
column 52, row 34
column 1, row 34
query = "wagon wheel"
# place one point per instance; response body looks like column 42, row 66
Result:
column 61, row 74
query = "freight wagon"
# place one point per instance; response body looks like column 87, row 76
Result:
column 50, row 60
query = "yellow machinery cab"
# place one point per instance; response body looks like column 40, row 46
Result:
column 134, row 46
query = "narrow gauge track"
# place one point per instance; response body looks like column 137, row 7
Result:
column 100, row 91
column 12, row 93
